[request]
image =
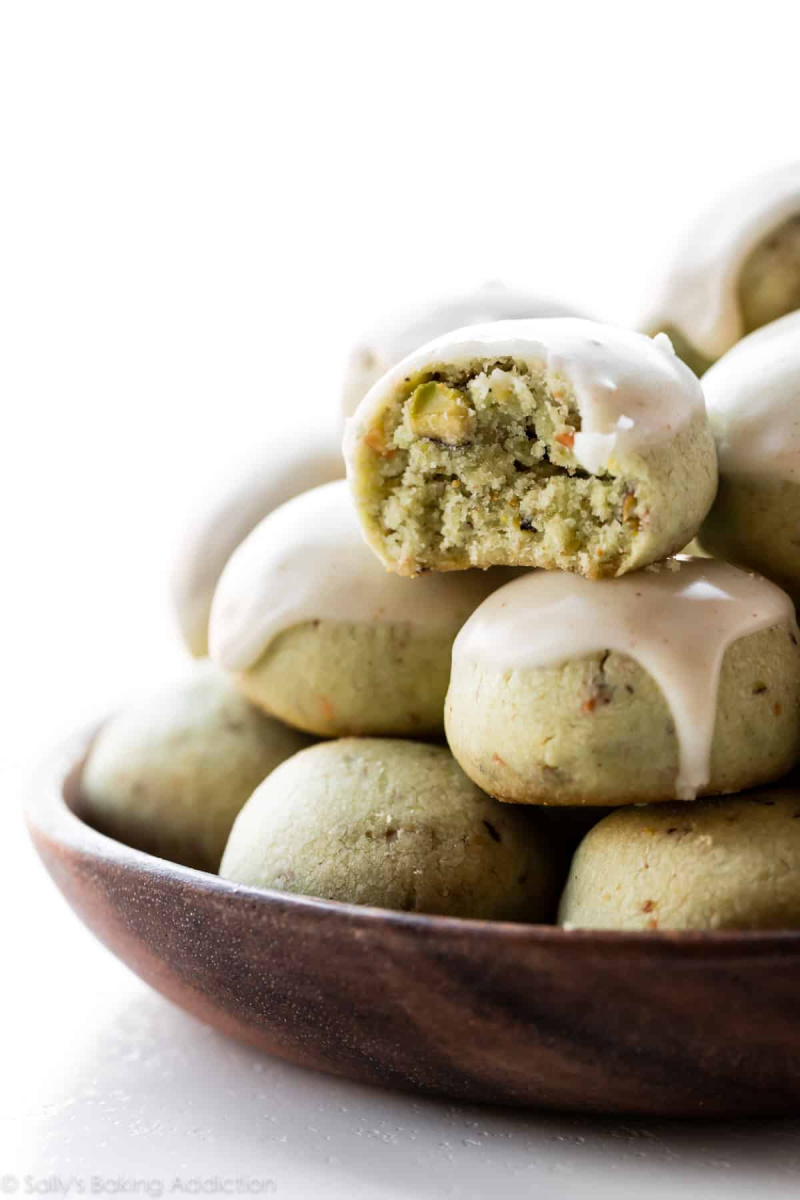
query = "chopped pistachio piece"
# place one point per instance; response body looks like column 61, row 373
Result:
column 440, row 412
column 629, row 507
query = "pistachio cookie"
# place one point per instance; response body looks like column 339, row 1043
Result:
column 738, row 269
column 169, row 774
column 391, row 823
column 553, row 443
column 753, row 399
column 231, row 508
column 681, row 680
column 732, row 863
column 317, row 633
column 381, row 348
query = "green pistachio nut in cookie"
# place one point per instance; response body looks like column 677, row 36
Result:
column 395, row 824
column 731, row 863
column 169, row 774
column 736, row 271
column 545, row 443
column 678, row 681
column 316, row 632
column 753, row 398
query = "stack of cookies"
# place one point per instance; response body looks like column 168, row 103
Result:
column 434, row 679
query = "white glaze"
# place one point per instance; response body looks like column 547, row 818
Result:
column 377, row 351
column 231, row 507
column 307, row 561
column 753, row 399
column 700, row 295
column 676, row 621
column 631, row 390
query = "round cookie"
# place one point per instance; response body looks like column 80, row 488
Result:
column 731, row 863
column 681, row 680
column 231, row 508
column 738, row 269
column 317, row 633
column 395, row 824
column 554, row 443
column 169, row 774
column 381, row 348
column 753, row 399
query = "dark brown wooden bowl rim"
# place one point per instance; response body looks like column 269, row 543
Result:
column 50, row 816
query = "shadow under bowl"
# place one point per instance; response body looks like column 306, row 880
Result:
column 666, row 1024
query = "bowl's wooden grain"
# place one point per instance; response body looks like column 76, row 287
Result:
column 667, row 1024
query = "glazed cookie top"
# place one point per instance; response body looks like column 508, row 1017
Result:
column 631, row 390
column 231, row 506
column 380, row 349
column 307, row 561
column 700, row 295
column 676, row 619
column 753, row 400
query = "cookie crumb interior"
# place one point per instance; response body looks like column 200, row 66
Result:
column 475, row 466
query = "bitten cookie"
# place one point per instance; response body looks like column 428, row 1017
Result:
column 753, row 399
column 553, row 443
column 231, row 508
column 169, row 774
column 395, row 824
column 681, row 680
column 717, row 864
column 738, row 269
column 316, row 632
column 377, row 351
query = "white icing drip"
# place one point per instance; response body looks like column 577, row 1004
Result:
column 700, row 296
column 593, row 451
column 663, row 340
column 631, row 390
column 307, row 561
column 380, row 349
column 753, row 398
column 676, row 622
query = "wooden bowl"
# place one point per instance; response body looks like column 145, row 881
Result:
column 657, row 1024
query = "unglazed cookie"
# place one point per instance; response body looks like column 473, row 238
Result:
column 395, row 824
column 231, row 508
column 381, row 348
column 169, row 774
column 738, row 269
column 717, row 864
column 317, row 633
column 683, row 679
column 554, row 443
column 753, row 398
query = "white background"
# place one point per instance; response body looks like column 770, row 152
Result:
column 201, row 205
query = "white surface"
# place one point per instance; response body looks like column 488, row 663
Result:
column 202, row 206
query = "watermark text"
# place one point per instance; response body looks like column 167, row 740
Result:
column 62, row 1186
